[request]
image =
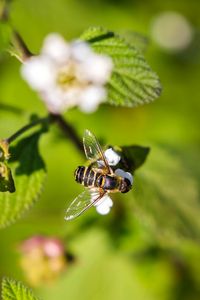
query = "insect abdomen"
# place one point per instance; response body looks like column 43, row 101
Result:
column 79, row 174
column 86, row 176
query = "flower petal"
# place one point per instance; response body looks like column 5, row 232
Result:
column 31, row 243
column 56, row 48
column 97, row 68
column 57, row 100
column 104, row 206
column 39, row 72
column 112, row 157
column 80, row 51
column 53, row 247
column 91, row 98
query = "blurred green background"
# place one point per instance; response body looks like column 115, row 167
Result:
column 148, row 246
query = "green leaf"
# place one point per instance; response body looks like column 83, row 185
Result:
column 166, row 197
column 15, row 290
column 134, row 156
column 29, row 174
column 135, row 39
column 132, row 82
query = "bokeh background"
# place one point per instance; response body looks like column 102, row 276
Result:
column 148, row 246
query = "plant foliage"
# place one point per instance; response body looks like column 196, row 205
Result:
column 15, row 290
column 132, row 82
column 29, row 174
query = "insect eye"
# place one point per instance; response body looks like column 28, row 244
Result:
column 127, row 181
column 126, row 185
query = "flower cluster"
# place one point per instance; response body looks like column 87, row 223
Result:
column 43, row 259
column 68, row 75
column 104, row 206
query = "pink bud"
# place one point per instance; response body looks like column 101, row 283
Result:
column 53, row 247
column 31, row 243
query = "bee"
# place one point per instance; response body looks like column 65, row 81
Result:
column 98, row 178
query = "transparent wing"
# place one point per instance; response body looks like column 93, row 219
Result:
column 93, row 150
column 82, row 203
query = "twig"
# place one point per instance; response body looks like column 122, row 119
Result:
column 21, row 45
column 25, row 128
column 4, row 16
column 17, row 40
column 69, row 131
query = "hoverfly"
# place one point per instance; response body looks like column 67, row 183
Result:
column 98, row 178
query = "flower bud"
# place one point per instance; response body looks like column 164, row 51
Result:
column 43, row 259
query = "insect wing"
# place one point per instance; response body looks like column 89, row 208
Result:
column 82, row 203
column 93, row 150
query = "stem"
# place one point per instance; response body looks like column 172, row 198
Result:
column 17, row 40
column 69, row 131
column 5, row 11
column 21, row 45
column 25, row 128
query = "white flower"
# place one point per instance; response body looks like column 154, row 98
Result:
column 68, row 75
column 104, row 205
column 112, row 157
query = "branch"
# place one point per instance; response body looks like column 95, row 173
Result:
column 5, row 10
column 68, row 131
column 19, row 43
column 25, row 128
column 17, row 40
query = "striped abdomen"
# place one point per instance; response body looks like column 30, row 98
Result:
column 86, row 176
